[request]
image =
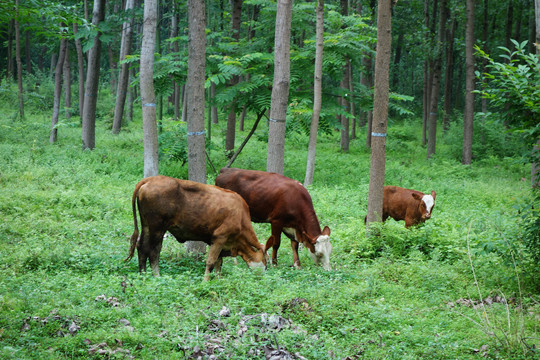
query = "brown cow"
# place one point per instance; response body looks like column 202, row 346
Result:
column 193, row 211
column 286, row 205
column 403, row 204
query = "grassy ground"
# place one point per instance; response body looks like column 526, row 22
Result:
column 407, row 294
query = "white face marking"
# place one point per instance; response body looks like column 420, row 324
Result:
column 323, row 248
column 429, row 201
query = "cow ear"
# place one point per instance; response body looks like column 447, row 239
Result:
column 416, row 196
column 433, row 193
column 326, row 231
column 269, row 243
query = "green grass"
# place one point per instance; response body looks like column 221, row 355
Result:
column 66, row 221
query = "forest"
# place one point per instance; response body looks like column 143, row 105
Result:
column 432, row 95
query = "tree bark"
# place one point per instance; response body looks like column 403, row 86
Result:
column 148, row 97
column 436, row 85
column 27, row 52
column 448, row 75
column 80, row 64
column 19, row 62
column 469, row 86
column 214, row 107
column 67, row 82
column 344, row 102
column 380, row 111
column 10, row 64
column 92, row 82
column 351, row 102
column 57, row 90
column 123, row 76
column 317, row 94
column 280, row 90
column 195, row 100
column 535, row 168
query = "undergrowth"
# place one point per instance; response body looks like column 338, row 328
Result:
column 65, row 291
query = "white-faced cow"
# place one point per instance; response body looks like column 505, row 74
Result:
column 403, row 204
column 286, row 205
column 193, row 211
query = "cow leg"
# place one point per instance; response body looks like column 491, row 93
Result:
column 296, row 259
column 149, row 247
column 276, row 232
column 212, row 259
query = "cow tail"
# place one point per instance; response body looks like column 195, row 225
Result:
column 135, row 235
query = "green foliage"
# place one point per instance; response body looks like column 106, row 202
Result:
column 512, row 87
column 173, row 141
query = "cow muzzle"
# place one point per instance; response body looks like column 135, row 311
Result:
column 323, row 249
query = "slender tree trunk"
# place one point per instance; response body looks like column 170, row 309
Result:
column 317, row 94
column 27, row 52
column 195, row 100
column 67, row 82
column 10, row 64
column 448, row 75
column 148, row 97
column 130, row 97
column 535, row 168
column 80, row 65
column 509, row 20
column 344, row 102
column 484, row 40
column 351, row 102
column 436, row 85
column 380, row 111
column 469, row 86
column 92, row 82
column 57, row 90
column 175, row 49
column 19, row 63
column 214, row 107
column 123, row 76
column 280, row 90
column 367, row 60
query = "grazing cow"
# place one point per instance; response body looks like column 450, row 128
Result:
column 193, row 211
column 286, row 205
column 403, row 204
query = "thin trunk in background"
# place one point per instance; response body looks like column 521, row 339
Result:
column 67, row 82
column 343, row 100
column 80, row 65
column 448, row 74
column 19, row 62
column 535, row 168
column 123, row 76
column 175, row 49
column 214, row 107
column 92, row 82
column 351, row 102
column 380, row 112
column 148, row 97
column 468, row 115
column 367, row 80
column 280, row 89
column 27, row 51
column 317, row 94
column 130, row 96
column 57, row 89
column 436, row 85
column 195, row 100
column 10, row 64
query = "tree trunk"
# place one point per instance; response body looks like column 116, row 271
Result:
column 351, row 102
column 344, row 102
column 317, row 94
column 92, row 82
column 509, row 20
column 10, row 65
column 148, row 97
column 130, row 97
column 214, row 107
column 57, row 89
column 436, row 85
column 195, row 100
column 535, row 168
column 469, row 86
column 175, row 49
column 380, row 111
column 80, row 64
column 27, row 52
column 280, row 90
column 448, row 74
column 123, row 76
column 67, row 82
column 19, row 63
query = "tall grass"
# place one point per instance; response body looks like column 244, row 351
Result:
column 66, row 220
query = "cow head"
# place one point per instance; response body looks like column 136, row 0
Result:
column 323, row 248
column 426, row 204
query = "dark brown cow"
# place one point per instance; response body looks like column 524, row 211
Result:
column 403, row 204
column 192, row 211
column 286, row 205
